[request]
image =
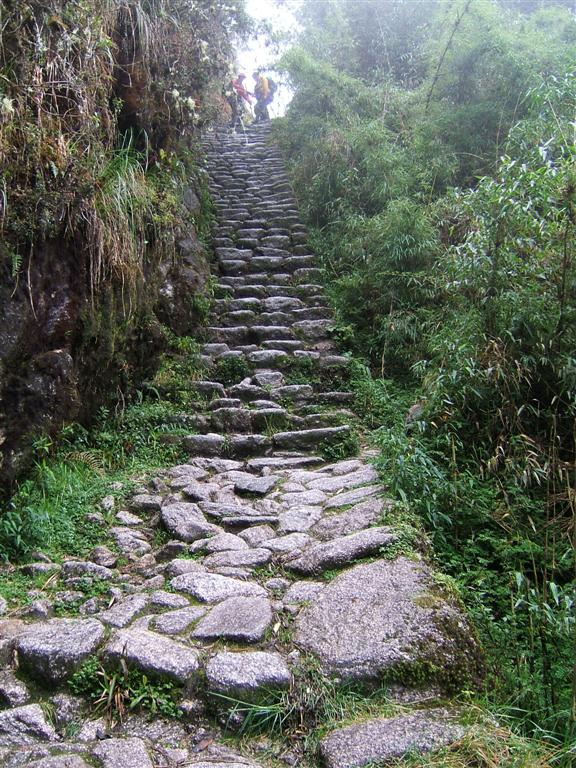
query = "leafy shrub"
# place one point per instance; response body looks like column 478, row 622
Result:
column 231, row 370
column 464, row 295
column 347, row 446
column 21, row 527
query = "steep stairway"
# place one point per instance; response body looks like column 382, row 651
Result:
column 260, row 579
column 271, row 317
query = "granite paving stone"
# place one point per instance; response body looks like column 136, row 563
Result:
column 54, row 649
column 239, row 619
column 245, row 674
column 382, row 741
column 153, row 653
column 212, row 587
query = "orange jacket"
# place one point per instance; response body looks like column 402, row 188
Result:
column 240, row 89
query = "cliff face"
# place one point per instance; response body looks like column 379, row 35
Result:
column 64, row 351
column 99, row 199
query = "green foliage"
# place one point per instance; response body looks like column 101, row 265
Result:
column 486, row 745
column 117, row 693
column 311, row 707
column 249, row 718
column 231, row 370
column 21, row 527
column 302, row 370
column 180, row 366
column 66, row 170
column 349, row 445
column 499, row 541
column 440, row 190
column 378, row 402
column 16, row 588
column 49, row 509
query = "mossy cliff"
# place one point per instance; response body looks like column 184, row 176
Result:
column 100, row 203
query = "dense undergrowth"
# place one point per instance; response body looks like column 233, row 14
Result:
column 432, row 149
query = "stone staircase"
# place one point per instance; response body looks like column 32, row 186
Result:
column 271, row 316
column 261, row 569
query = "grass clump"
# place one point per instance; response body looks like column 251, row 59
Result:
column 50, row 509
column 269, row 714
column 231, row 370
column 348, row 445
column 486, row 745
column 180, row 367
column 69, row 163
column 115, row 694
column 312, row 706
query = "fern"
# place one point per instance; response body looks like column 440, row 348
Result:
column 90, row 459
column 16, row 263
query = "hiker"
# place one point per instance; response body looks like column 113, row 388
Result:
column 264, row 90
column 238, row 97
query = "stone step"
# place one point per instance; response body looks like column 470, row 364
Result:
column 287, row 345
column 310, row 294
column 224, row 402
column 311, row 439
column 247, row 392
column 230, row 445
column 262, row 305
column 299, row 266
column 234, row 305
column 299, row 396
column 237, row 336
column 263, row 332
column 237, row 317
column 234, row 445
column 234, row 418
column 253, row 317
column 209, row 388
column 258, row 278
column 337, row 398
column 232, row 336
column 325, row 419
column 387, row 740
column 265, row 358
column 311, row 329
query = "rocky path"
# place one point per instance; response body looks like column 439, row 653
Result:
column 260, row 579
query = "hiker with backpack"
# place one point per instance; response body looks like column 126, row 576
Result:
column 264, row 90
column 239, row 99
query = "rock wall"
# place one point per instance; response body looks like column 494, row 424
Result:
column 63, row 350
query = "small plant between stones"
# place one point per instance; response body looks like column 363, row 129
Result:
column 231, row 370
column 117, row 693
column 348, row 446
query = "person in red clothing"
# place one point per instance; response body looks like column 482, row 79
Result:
column 239, row 97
